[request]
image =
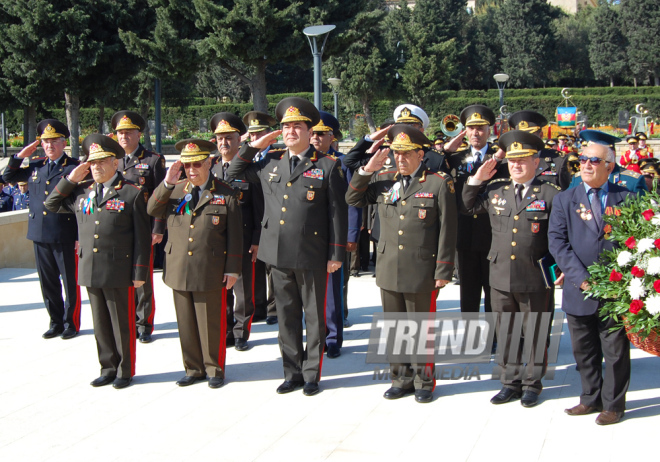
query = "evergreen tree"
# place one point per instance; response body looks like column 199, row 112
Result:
column 641, row 26
column 572, row 51
column 607, row 47
column 484, row 53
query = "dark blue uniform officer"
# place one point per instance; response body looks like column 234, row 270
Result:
column 21, row 196
column 54, row 235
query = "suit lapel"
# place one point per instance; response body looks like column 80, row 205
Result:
column 304, row 164
column 207, row 193
column 415, row 186
column 112, row 193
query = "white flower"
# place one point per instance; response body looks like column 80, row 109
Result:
column 656, row 219
column 644, row 245
column 653, row 266
column 624, row 258
column 654, row 203
column 652, row 304
column 636, row 289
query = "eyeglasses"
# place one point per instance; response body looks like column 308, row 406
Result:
column 193, row 165
column 593, row 160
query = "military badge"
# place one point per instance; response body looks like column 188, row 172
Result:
column 421, row 213
column 310, row 195
column 425, row 195
column 536, row 227
column 450, row 185
column 316, row 173
column 115, row 204
column 240, row 195
column 215, row 220
column 142, row 166
column 141, row 180
column 584, row 213
column 218, row 200
column 536, row 206
column 393, row 193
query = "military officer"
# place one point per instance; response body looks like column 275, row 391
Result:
column 147, row 169
column 552, row 163
column 633, row 155
column 260, row 124
column 114, row 250
column 228, row 130
column 53, row 236
column 21, row 196
column 519, row 209
column 562, row 144
column 417, row 243
column 303, row 235
column 643, row 147
column 202, row 257
column 6, row 197
column 474, row 233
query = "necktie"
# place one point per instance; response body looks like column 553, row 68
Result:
column 225, row 166
column 477, row 159
column 294, row 162
column 51, row 167
column 596, row 208
column 195, row 198
column 99, row 194
column 406, row 182
column 519, row 190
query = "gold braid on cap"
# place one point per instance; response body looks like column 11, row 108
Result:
column 292, row 114
column 402, row 142
column 51, row 132
column 254, row 122
column 516, row 150
column 97, row 152
column 224, row 127
column 322, row 127
column 125, row 123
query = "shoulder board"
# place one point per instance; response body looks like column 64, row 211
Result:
column 127, row 183
column 577, row 174
column 630, row 173
column 86, row 183
column 435, row 151
column 385, row 172
column 442, row 175
column 500, row 180
column 222, row 182
column 547, row 183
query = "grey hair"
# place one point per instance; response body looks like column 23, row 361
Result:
column 611, row 156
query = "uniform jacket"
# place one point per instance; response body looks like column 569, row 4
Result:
column 576, row 244
column 629, row 159
column 21, row 201
column 417, row 231
column 357, row 157
column 115, row 240
column 553, row 168
column 204, row 245
column 146, row 169
column 305, row 218
column 520, row 234
column 473, row 230
column 44, row 226
column 632, row 181
column 251, row 199
column 6, row 199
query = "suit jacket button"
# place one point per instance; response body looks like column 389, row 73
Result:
column 96, row 222
column 286, row 196
column 516, row 218
column 95, row 250
column 46, row 192
column 194, row 214
column 404, row 203
column 47, row 182
column 124, row 172
column 401, row 217
column 513, row 257
column 400, row 232
column 44, row 212
column 289, row 183
column 513, row 244
column 96, row 236
column 189, row 253
column 475, row 216
column 515, row 230
column 281, row 222
column 192, row 226
column 400, row 247
column 283, row 209
column 190, row 239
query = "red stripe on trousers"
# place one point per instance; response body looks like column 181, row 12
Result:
column 325, row 306
column 150, row 320
column 222, row 347
column 131, row 325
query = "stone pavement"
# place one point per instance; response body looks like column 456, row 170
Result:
column 49, row 412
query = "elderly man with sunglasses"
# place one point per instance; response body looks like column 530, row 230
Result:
column 576, row 239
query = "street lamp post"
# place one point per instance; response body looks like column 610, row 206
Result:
column 157, row 109
column 312, row 33
column 501, row 80
column 335, row 83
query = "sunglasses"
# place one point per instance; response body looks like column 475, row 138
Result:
column 593, row 160
column 193, row 165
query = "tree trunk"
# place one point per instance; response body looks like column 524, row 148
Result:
column 635, row 81
column 101, row 116
column 367, row 115
column 611, row 81
column 258, row 88
column 29, row 124
column 73, row 120
column 144, row 112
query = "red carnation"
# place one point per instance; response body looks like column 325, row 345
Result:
column 607, row 229
column 631, row 243
column 635, row 306
column 656, row 285
column 617, row 212
column 616, row 277
column 648, row 214
column 656, row 243
column 637, row 272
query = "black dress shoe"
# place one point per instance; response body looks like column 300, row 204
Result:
column 103, row 380
column 68, row 333
column 423, row 396
column 258, row 318
column 189, row 380
column 145, row 338
column 121, row 383
column 288, row 386
column 54, row 331
column 505, row 395
column 216, row 382
column 333, row 351
column 240, row 344
column 310, row 388
column 396, row 393
column 529, row 399
column 270, row 320
column 231, row 341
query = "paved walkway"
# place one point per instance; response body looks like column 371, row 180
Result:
column 48, row 411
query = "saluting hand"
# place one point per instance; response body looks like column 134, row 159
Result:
column 28, row 150
column 266, row 140
column 380, row 134
column 486, row 171
column 377, row 161
column 455, row 143
column 173, row 173
column 376, row 146
column 79, row 173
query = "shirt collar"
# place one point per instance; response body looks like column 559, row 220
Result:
column 108, row 184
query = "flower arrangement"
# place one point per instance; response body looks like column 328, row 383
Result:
column 628, row 277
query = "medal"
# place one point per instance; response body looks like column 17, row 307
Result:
column 188, row 197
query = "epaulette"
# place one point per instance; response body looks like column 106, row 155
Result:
column 577, row 174
column 551, row 184
column 86, row 184
column 384, row 172
column 224, row 183
column 499, row 180
column 443, row 175
column 631, row 173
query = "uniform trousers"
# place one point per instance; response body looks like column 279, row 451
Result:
column 264, row 302
column 298, row 291
column 334, row 311
column 420, row 376
column 523, row 358
column 473, row 270
column 145, row 301
column 53, row 260
column 113, row 314
column 592, row 341
column 240, row 302
column 202, row 321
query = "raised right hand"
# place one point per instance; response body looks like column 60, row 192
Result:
column 377, row 161
column 28, row 150
column 173, row 173
column 79, row 173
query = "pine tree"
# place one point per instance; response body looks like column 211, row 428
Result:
column 607, row 48
column 641, row 25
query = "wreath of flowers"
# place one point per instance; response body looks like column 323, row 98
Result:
column 628, row 277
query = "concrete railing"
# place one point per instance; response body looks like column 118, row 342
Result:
column 16, row 251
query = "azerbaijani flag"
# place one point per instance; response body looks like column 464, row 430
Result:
column 566, row 117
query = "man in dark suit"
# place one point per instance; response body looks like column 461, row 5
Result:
column 417, row 242
column 228, row 130
column 54, row 235
column 258, row 125
column 303, row 235
column 202, row 257
column 114, row 250
column 147, row 169
column 577, row 239
column 519, row 209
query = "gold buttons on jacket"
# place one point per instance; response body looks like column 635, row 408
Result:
column 190, row 239
column 192, row 226
column 400, row 232
column 286, row 196
column 95, row 250
column 46, row 192
column 513, row 244
column 45, row 212
column 281, row 222
column 47, row 182
column 190, row 253
column 96, row 236
column 283, row 209
column 194, row 214
column 400, row 247
column 515, row 230
column 288, row 184
column 513, row 257
column 401, row 217
column 475, row 216
column 516, row 218
column 404, row 203
column 96, row 222
column 124, row 172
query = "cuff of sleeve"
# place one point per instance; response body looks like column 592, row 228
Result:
column 472, row 181
column 363, row 173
